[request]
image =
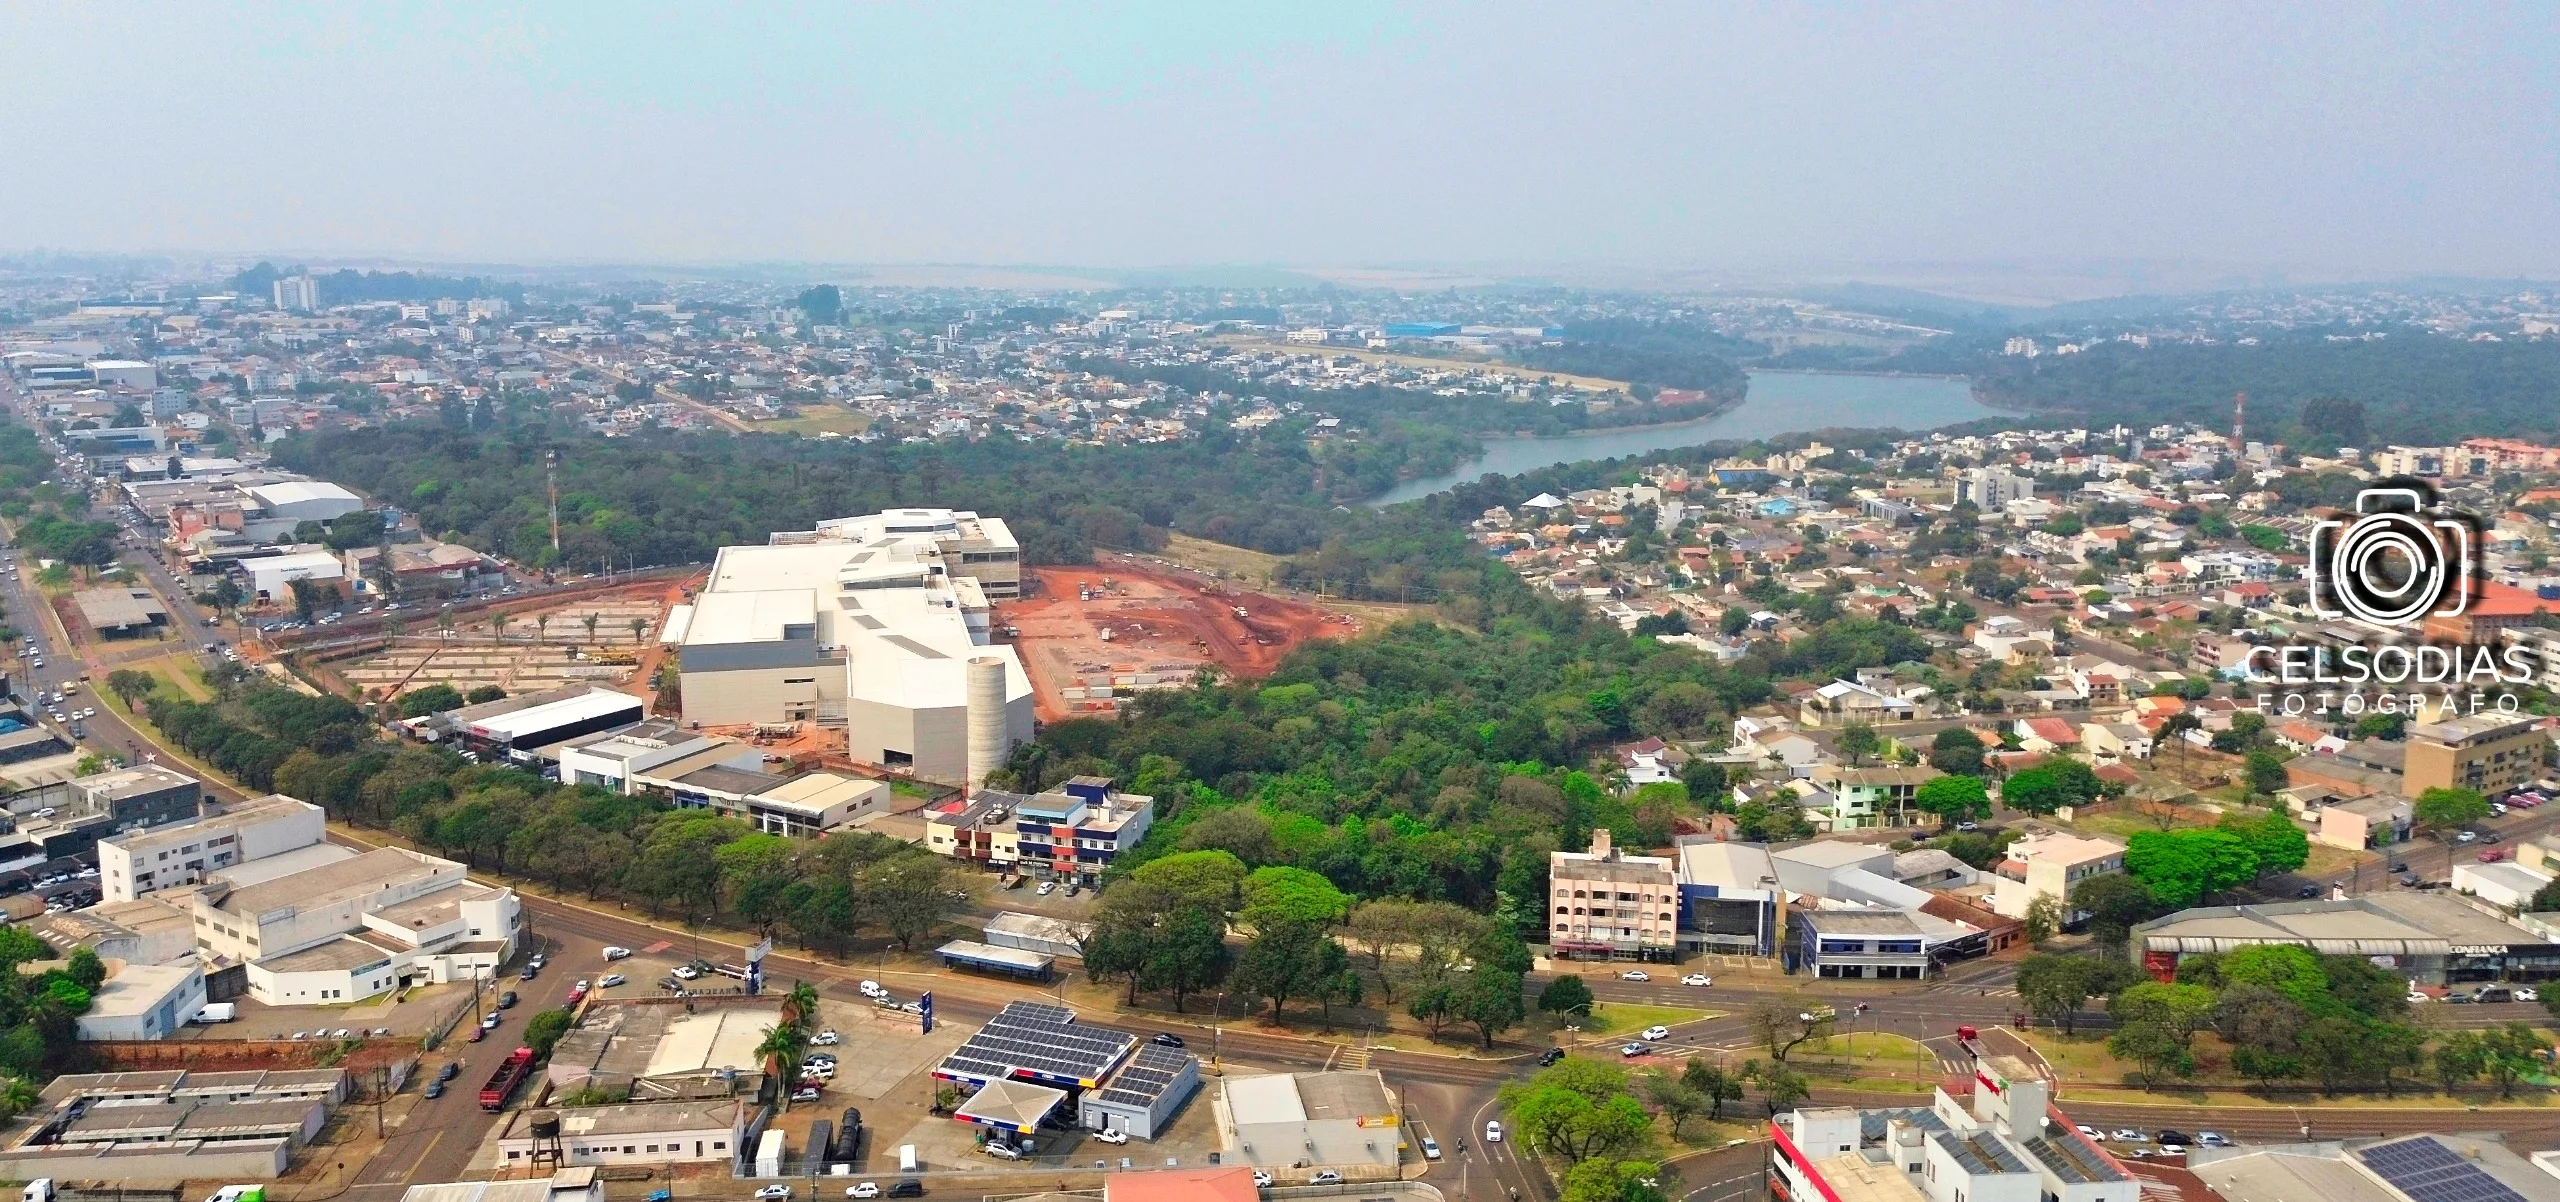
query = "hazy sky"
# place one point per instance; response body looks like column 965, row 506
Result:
column 2320, row 139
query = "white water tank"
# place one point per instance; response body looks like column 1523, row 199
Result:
column 987, row 745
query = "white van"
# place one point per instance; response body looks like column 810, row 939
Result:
column 906, row 1158
column 38, row 1190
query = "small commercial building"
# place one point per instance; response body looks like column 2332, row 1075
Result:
column 1077, row 830
column 144, row 1001
column 580, row 1184
column 1142, row 1097
column 1728, row 897
column 1038, row 933
column 270, row 578
column 2510, row 886
column 1346, row 1121
column 2050, row 864
column 974, row 956
column 120, row 612
column 1872, row 944
column 2358, row 823
column 630, row 1133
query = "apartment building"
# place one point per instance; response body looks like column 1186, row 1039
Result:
column 1078, row 829
column 2050, row 864
column 2487, row 753
column 1989, row 488
column 869, row 623
column 140, row 862
column 1872, row 797
column 1609, row 904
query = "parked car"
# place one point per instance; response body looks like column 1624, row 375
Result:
column 1112, row 1137
column 1550, row 1056
column 1325, row 1177
column 507, row 1000
column 1634, row 974
column 806, row 1093
column 1430, row 1148
column 909, row 1188
column 1001, row 1151
column 2416, row 997
column 489, row 1021
column 2307, row 891
column 2527, row 994
column 827, row 1038
column 2466, row 836
column 1261, row 1179
column 1048, row 887
column 687, row 972
column 2212, row 1139
column 774, row 1193
column 2131, row 1136
column 2409, row 880
column 435, row 1089
column 866, row 1189
column 451, row 1070
column 611, row 979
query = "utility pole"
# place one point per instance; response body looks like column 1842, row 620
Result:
column 551, row 480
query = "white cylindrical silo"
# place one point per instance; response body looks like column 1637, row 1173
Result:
column 986, row 718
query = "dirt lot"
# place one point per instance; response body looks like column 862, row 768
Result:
column 539, row 648
column 1162, row 627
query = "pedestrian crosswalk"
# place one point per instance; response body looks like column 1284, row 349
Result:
column 1353, row 1059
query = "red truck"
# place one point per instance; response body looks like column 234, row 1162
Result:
column 511, row 1073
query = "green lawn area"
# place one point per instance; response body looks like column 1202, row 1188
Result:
column 820, row 419
column 1611, row 1017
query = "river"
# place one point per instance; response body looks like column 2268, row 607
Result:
column 1779, row 402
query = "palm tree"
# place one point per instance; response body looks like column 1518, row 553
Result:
column 780, row 1052
column 590, row 621
column 542, row 628
column 800, row 1006
column 17, row 1095
column 639, row 627
column 498, row 627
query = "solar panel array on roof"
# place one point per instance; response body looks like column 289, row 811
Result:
column 1045, row 1041
column 2431, row 1172
column 1146, row 1077
column 1981, row 1155
column 2072, row 1160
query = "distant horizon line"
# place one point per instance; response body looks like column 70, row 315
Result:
column 1911, row 276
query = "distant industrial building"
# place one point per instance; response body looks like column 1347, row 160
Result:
column 514, row 727
column 879, row 624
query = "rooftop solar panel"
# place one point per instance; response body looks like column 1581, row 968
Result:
column 1146, row 1077
column 2427, row 1170
column 1028, row 1037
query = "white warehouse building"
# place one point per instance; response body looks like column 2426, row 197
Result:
column 870, row 623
